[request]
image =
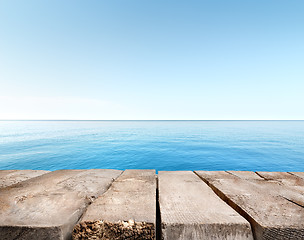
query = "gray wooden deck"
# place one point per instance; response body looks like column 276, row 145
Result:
column 140, row 204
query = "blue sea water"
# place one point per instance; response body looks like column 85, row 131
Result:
column 160, row 145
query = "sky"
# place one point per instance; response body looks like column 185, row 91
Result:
column 152, row 60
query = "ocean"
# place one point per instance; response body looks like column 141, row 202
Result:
column 160, row 145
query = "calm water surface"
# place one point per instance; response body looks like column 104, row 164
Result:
column 160, row 145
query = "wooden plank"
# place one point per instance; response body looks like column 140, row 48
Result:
column 276, row 175
column 298, row 174
column 290, row 181
column 262, row 203
column 218, row 174
column 189, row 209
column 246, row 175
column 10, row 177
column 126, row 211
column 49, row 206
column 3, row 173
column 281, row 183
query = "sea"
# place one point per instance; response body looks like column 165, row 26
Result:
column 159, row 145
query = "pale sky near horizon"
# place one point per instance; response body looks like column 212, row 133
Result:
column 140, row 59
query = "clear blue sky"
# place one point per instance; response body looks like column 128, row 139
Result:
column 141, row 59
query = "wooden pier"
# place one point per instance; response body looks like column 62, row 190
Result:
column 140, row 204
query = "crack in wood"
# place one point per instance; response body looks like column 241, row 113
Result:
column 298, row 204
column 226, row 199
column 158, row 214
column 266, row 179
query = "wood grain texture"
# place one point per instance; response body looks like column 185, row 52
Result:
column 10, row 177
column 48, row 206
column 291, row 182
column 246, row 175
column 276, row 175
column 299, row 174
column 126, row 210
column 191, row 210
column 264, row 204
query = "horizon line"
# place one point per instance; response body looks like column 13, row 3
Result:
column 96, row 120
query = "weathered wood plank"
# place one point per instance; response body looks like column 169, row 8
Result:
column 276, row 175
column 10, row 177
column 299, row 174
column 191, row 210
column 280, row 183
column 246, row 175
column 126, row 211
column 218, row 174
column 291, row 182
column 271, row 215
column 48, row 206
